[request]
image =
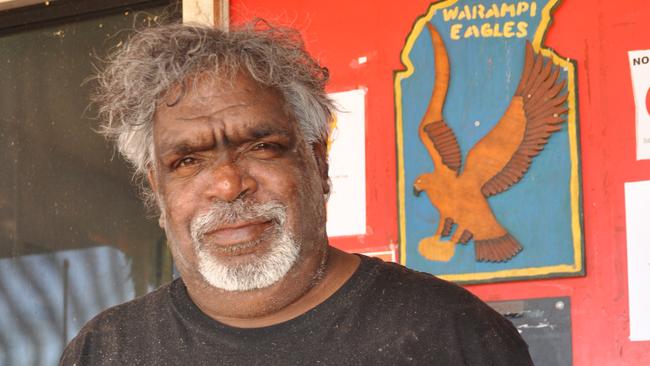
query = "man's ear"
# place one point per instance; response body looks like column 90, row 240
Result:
column 151, row 178
column 320, row 153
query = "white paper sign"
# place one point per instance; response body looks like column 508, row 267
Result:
column 637, row 217
column 640, row 69
column 346, row 208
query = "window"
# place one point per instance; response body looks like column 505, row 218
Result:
column 74, row 236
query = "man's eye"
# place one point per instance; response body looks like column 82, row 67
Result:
column 266, row 146
column 262, row 146
column 266, row 150
column 186, row 162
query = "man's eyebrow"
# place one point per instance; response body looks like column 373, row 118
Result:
column 266, row 131
column 184, row 147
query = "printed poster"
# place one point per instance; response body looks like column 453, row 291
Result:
column 637, row 212
column 346, row 208
column 640, row 70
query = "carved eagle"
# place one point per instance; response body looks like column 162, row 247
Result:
column 498, row 161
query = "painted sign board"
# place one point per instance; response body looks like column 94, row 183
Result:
column 487, row 136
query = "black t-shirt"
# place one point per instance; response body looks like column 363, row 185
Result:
column 384, row 314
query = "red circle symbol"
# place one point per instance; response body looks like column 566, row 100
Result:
column 647, row 101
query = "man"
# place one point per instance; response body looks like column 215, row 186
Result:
column 230, row 131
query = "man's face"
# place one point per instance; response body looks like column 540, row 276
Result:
column 241, row 193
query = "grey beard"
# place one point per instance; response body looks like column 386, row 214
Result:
column 263, row 270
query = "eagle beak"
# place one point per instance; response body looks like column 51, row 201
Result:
column 416, row 192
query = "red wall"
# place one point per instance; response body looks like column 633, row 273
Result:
column 598, row 35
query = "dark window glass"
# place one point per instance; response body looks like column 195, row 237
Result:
column 74, row 237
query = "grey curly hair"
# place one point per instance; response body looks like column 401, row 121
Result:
column 138, row 74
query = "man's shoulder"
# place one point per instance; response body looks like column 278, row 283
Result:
column 419, row 287
column 435, row 298
column 455, row 323
column 117, row 327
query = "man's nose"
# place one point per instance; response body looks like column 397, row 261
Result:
column 229, row 182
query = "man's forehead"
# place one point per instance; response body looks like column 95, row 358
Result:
column 207, row 85
column 238, row 109
column 206, row 93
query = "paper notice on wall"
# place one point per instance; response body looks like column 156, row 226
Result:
column 346, row 208
column 637, row 212
column 640, row 69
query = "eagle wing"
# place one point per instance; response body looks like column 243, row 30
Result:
column 434, row 132
column 501, row 158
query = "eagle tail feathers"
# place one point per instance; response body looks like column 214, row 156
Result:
column 498, row 249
